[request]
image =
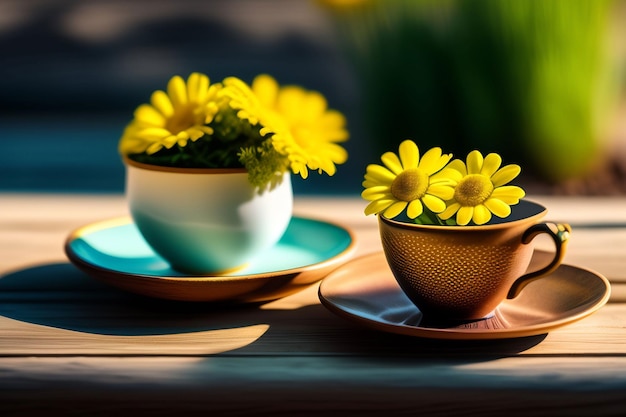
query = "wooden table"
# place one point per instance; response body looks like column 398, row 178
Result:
column 70, row 345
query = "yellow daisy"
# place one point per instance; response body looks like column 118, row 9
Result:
column 302, row 127
column 408, row 182
column 173, row 117
column 481, row 189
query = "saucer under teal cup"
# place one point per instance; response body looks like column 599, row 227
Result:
column 115, row 252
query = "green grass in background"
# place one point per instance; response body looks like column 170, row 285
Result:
column 531, row 80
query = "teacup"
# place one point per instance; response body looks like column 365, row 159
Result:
column 465, row 272
column 206, row 221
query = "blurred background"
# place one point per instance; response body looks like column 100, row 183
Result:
column 541, row 82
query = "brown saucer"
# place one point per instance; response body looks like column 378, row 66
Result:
column 365, row 291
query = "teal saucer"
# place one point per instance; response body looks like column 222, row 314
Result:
column 114, row 251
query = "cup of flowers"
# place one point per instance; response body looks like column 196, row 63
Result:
column 457, row 235
column 208, row 166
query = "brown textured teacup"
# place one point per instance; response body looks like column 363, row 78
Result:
column 464, row 272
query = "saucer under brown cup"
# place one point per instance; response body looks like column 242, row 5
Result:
column 464, row 272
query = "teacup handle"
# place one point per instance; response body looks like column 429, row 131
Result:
column 560, row 233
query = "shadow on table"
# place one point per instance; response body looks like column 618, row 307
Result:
column 61, row 296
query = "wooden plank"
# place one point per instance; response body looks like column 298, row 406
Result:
column 311, row 386
column 109, row 322
column 48, row 307
column 65, row 336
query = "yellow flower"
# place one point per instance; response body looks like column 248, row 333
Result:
column 408, row 182
column 481, row 189
column 171, row 118
column 302, row 127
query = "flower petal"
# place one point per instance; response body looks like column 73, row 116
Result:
column 377, row 189
column 192, row 86
column 266, row 89
column 434, row 204
column 335, row 153
column 376, row 193
column 162, row 103
column 377, row 206
column 177, row 90
column 505, row 174
column 379, row 173
column 300, row 168
column 148, row 115
column 392, row 162
column 481, row 214
column 434, row 161
column 369, row 183
column 450, row 211
column 456, row 165
column 414, row 209
column 491, row 164
column 464, row 215
column 395, row 209
column 195, row 133
column 444, row 192
column 153, row 133
column 197, row 87
column 154, row 148
column 169, row 141
column 409, row 154
column 509, row 194
column 498, row 207
column 474, row 162
column 446, row 176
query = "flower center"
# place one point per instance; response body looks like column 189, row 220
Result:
column 473, row 190
column 410, row 185
column 182, row 119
